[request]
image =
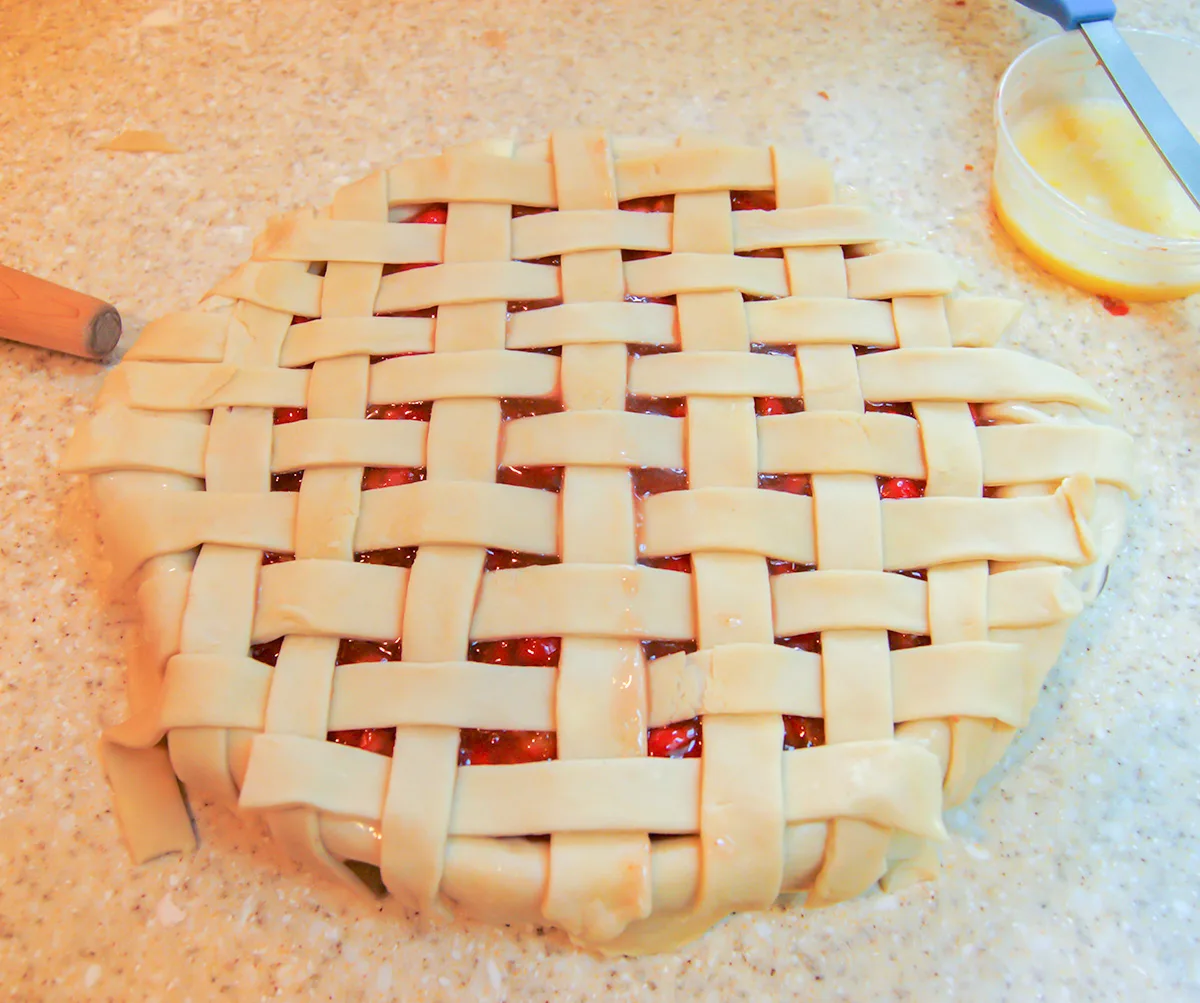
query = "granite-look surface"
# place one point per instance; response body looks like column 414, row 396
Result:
column 1070, row 875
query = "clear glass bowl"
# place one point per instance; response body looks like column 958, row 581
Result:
column 1086, row 250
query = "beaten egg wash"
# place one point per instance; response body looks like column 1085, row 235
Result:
column 1095, row 154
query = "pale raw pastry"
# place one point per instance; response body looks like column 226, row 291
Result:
column 714, row 548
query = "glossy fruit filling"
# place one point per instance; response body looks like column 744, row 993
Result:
column 683, row 739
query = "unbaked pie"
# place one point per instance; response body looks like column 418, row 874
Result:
column 603, row 534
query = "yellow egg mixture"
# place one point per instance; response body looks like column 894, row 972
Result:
column 1094, row 153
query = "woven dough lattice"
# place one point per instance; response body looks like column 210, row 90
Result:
column 795, row 542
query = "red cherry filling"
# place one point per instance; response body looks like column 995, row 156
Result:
column 658, row 480
column 352, row 651
column 675, row 741
column 390, row 477
column 512, row 408
column 793, row 484
column 510, row 560
column 650, row 203
column 899, row 642
column 289, row 481
column 765, row 406
column 681, row 562
column 413, row 411
column 900, row 487
column 378, row 740
column 778, row 567
column 516, row 651
column 801, row 642
column 672, row 407
column 430, row 214
column 542, row 478
column 635, row 255
column 803, row 732
column 889, row 407
column 664, row 300
column 478, row 747
column 287, row 415
column 408, row 266
column 978, row 416
column 398, row 557
column 752, row 200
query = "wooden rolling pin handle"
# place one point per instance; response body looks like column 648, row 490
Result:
column 41, row 313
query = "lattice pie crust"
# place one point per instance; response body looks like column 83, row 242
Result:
column 780, row 529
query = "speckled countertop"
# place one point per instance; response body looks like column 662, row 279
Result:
column 1071, row 875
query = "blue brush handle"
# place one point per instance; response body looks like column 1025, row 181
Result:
column 1072, row 13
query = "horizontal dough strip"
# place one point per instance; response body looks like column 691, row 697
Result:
column 116, row 438
column 546, row 234
column 593, row 324
column 594, row 438
column 466, row 282
column 976, row 321
column 925, row 532
column 821, row 320
column 811, row 442
column 552, row 600
column 841, row 442
column 808, row 602
column 720, row 374
column 980, row 376
column 471, row 513
column 194, row 386
column 191, row 336
column 223, row 691
column 347, row 442
column 285, row 286
column 1049, row 452
column 976, row 679
column 890, row 445
column 472, row 177
column 448, row 375
column 139, row 525
column 694, row 169
column 329, row 599
column 741, row 520
column 336, row 337
column 691, row 272
column 296, row 238
column 891, row 784
column 632, row 601
column 196, row 336
column 597, row 600
column 551, row 233
column 905, row 272
column 917, row 532
column 809, row 226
